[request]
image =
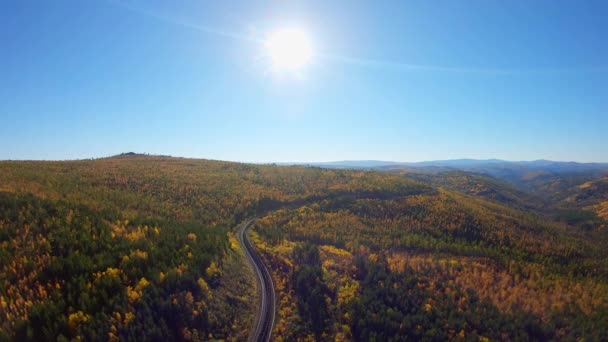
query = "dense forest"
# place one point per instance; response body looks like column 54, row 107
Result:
column 438, row 266
column 142, row 247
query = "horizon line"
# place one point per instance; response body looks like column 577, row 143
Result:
column 304, row 163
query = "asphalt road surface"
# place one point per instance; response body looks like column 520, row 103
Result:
column 264, row 321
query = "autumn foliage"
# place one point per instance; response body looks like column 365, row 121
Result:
column 142, row 247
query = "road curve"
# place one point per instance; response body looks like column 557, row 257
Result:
column 264, row 322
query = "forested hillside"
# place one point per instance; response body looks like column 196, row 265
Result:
column 479, row 185
column 437, row 266
column 103, row 248
column 579, row 199
column 137, row 246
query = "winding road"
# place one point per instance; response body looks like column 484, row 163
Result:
column 264, row 321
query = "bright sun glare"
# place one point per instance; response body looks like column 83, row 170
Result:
column 289, row 49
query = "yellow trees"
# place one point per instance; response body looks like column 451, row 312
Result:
column 109, row 272
column 602, row 210
column 132, row 294
column 204, row 287
column 123, row 230
column 139, row 254
column 129, row 316
column 77, row 318
column 234, row 243
column 212, row 271
column 135, row 293
column 347, row 292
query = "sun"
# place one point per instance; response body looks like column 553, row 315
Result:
column 289, row 49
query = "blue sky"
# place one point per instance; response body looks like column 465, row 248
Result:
column 390, row 80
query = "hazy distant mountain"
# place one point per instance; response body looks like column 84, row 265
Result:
column 498, row 168
column 545, row 178
column 570, row 192
column 349, row 164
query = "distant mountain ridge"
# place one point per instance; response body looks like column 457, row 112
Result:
column 571, row 192
column 461, row 164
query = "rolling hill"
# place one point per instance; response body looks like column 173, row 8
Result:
column 107, row 248
column 480, row 185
